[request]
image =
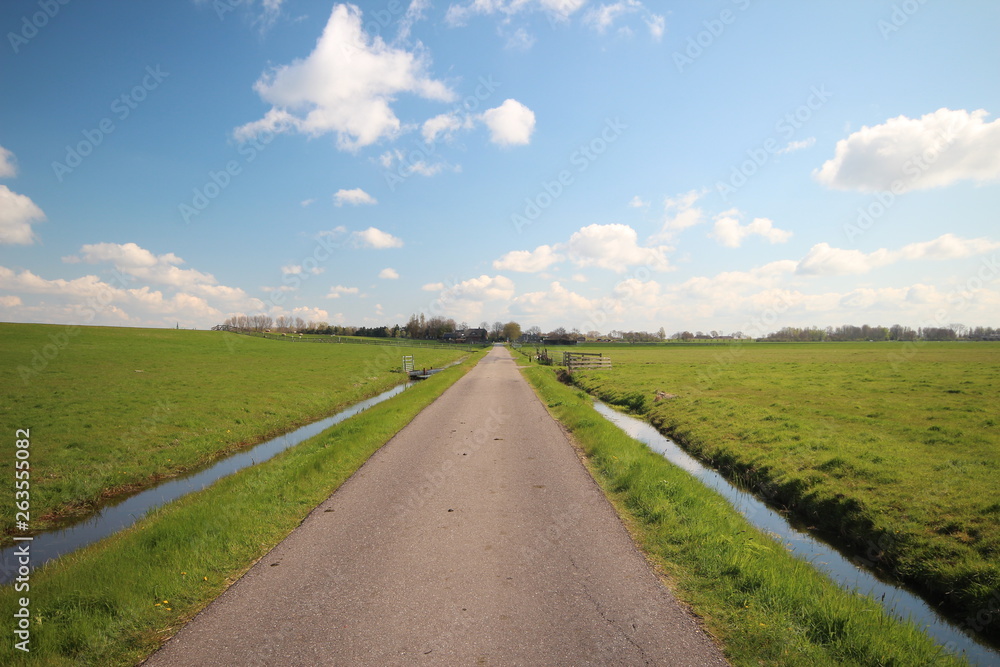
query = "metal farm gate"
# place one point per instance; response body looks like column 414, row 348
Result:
column 585, row 360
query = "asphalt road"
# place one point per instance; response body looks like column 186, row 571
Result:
column 474, row 537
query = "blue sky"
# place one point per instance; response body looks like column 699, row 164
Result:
column 731, row 166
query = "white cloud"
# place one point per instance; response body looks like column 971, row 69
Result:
column 729, row 232
column 798, row 145
column 338, row 291
column 388, row 274
column 510, row 124
column 638, row 293
column 613, row 247
column 376, row 238
column 424, row 169
column 483, row 288
column 345, row 86
column 467, row 299
column 444, row 125
column 306, row 203
column 824, row 260
column 903, row 154
column 657, row 26
column 638, row 202
column 310, row 314
column 407, row 166
column 136, row 264
column 433, row 287
column 731, row 283
column 89, row 300
column 298, row 269
column 8, row 165
column 948, row 246
column 414, row 13
column 520, row 40
column 526, row 261
column 603, row 17
column 17, row 214
column 133, row 260
column 680, row 213
column 354, row 197
column 554, row 304
column 263, row 18
column 459, row 14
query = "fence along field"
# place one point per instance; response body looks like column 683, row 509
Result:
column 897, row 462
column 115, row 410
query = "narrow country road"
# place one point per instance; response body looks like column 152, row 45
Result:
column 474, row 537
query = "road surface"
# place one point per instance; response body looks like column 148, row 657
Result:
column 474, row 537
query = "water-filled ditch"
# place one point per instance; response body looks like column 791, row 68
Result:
column 119, row 515
column 897, row 601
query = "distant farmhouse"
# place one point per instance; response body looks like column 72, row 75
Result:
column 465, row 336
column 557, row 337
column 562, row 338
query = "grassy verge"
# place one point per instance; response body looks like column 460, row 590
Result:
column 766, row 606
column 115, row 602
column 114, row 410
column 891, row 452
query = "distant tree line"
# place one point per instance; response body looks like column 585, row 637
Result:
column 419, row 327
column 896, row 332
column 282, row 324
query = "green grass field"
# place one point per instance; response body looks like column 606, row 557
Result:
column 114, row 410
column 766, row 606
column 890, row 451
column 116, row 601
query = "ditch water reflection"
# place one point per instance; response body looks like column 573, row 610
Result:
column 897, row 601
column 112, row 518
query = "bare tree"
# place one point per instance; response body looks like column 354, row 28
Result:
column 496, row 331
